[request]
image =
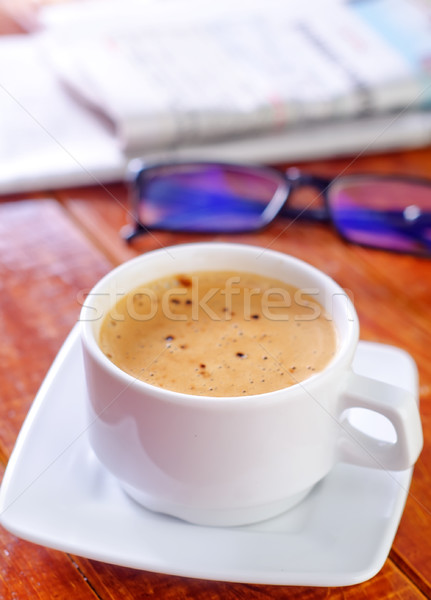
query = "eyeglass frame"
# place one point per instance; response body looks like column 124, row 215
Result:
column 290, row 179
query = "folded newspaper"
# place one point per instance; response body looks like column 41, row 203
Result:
column 172, row 73
column 255, row 80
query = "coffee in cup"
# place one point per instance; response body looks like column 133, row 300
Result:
column 219, row 333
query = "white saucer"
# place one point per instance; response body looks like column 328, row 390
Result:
column 56, row 493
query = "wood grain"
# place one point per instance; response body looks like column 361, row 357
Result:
column 46, row 266
column 389, row 583
column 45, row 263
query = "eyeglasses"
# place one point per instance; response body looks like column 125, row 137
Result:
column 386, row 212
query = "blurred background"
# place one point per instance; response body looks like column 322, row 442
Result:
column 94, row 83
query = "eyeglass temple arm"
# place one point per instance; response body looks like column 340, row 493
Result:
column 296, row 179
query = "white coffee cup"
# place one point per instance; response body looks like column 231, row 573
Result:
column 232, row 461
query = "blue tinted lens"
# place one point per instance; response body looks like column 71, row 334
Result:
column 209, row 197
column 383, row 213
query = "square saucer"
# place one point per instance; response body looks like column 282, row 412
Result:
column 56, row 493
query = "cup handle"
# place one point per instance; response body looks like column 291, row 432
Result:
column 394, row 403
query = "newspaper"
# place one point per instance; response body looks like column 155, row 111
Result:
column 176, row 73
column 255, row 81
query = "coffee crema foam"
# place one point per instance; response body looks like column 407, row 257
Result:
column 218, row 333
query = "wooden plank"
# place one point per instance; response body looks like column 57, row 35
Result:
column 113, row 582
column 29, row 572
column 412, row 548
column 46, row 265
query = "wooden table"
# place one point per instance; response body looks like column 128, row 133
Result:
column 54, row 246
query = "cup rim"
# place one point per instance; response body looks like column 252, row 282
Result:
column 344, row 351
